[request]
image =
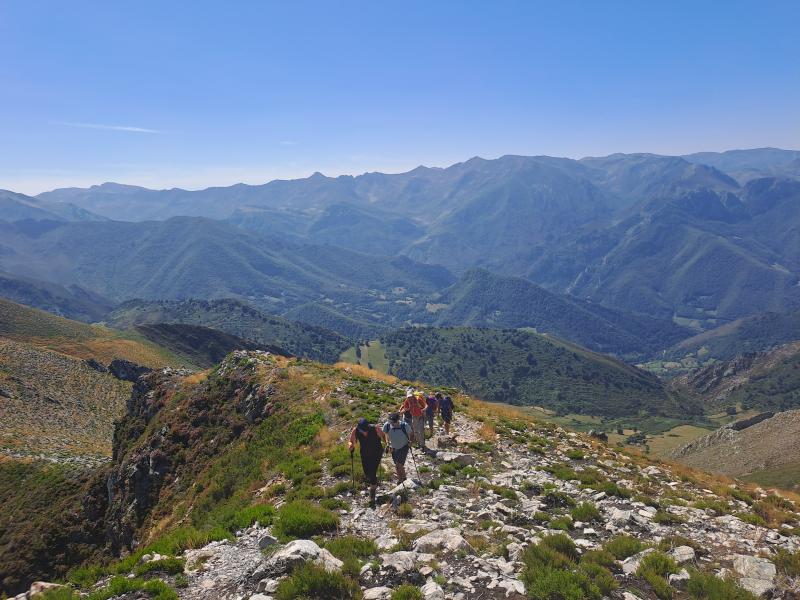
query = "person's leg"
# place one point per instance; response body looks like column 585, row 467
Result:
column 447, row 426
column 399, row 457
column 419, row 431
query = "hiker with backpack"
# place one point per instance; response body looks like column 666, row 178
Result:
column 445, row 409
column 415, row 405
column 432, row 402
column 399, row 434
column 370, row 440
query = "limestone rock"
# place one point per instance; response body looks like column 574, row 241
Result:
column 300, row 551
column 442, row 539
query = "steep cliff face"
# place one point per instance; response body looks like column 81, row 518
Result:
column 170, row 432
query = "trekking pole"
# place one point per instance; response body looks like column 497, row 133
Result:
column 353, row 472
column 416, row 466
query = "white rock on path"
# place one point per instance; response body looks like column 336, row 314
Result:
column 378, row 593
column 300, row 551
column 682, row 554
column 402, row 561
column 432, row 591
column 631, row 564
column 443, row 539
column 756, row 575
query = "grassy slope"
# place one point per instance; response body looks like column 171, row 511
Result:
column 56, row 404
column 239, row 319
column 40, row 328
column 528, row 369
column 751, row 334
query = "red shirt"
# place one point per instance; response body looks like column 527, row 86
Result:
column 416, row 405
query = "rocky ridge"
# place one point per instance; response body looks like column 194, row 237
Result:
column 471, row 517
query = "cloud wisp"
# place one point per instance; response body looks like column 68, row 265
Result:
column 126, row 128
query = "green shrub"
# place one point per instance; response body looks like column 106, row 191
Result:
column 604, row 558
column 612, row 489
column 623, row 546
column 718, row 506
column 234, row 520
column 333, row 503
column 562, row 544
column 752, row 518
column 586, row 512
column 787, row 562
column 350, row 546
column 575, row 455
column 655, row 568
column 600, row 576
column 57, row 594
column 404, row 511
column 84, row 577
column 706, row 586
column 302, row 519
column 663, row 517
column 170, row 566
column 548, row 583
column 741, row 495
column 406, row 592
column 313, row 582
column 120, row 585
column 558, row 499
column 562, row 523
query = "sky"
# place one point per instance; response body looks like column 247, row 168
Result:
column 193, row 94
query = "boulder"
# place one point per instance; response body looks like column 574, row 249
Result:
column 631, row 564
column 443, row 539
column 40, row 587
column 680, row 579
column 378, row 593
column 432, row 591
column 756, row 575
column 266, row 541
column 401, row 562
column 682, row 554
column 386, row 541
column 300, row 551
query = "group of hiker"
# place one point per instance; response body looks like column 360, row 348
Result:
column 417, row 411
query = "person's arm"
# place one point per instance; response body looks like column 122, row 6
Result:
column 352, row 444
column 381, row 434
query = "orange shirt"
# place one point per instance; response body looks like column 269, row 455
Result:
column 416, row 405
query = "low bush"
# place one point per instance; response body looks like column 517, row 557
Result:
column 548, row 583
column 586, row 512
column 562, row 523
column 576, row 455
column 170, row 566
column 600, row 576
column 350, row 546
column 313, row 582
column 155, row 588
column 787, row 562
column 303, row 519
column 707, row 586
column 604, row 558
column 406, row 592
column 655, row 568
column 720, row 507
column 663, row 517
column 623, row 546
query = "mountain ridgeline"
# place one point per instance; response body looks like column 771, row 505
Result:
column 669, row 237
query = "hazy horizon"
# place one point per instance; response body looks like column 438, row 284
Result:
column 153, row 95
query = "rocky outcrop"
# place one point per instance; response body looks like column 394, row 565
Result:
column 126, row 370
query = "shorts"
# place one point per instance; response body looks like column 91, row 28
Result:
column 400, row 455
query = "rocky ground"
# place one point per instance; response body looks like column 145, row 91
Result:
column 459, row 526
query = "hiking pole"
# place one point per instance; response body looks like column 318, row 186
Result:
column 416, row 466
column 353, row 472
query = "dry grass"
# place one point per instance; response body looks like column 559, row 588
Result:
column 363, row 371
column 195, row 378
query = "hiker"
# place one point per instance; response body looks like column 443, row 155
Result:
column 399, row 435
column 415, row 405
column 445, row 409
column 369, row 438
column 432, row 402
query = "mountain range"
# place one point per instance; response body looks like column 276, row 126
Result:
column 703, row 239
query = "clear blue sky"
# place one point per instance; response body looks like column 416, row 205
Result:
column 192, row 94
